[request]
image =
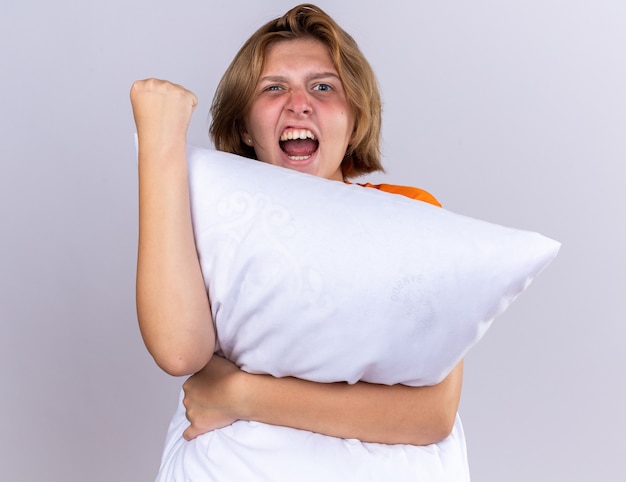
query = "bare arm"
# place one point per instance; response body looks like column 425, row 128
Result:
column 172, row 304
column 221, row 394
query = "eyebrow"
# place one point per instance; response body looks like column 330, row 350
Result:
column 315, row 76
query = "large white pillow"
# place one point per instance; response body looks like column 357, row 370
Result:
column 333, row 282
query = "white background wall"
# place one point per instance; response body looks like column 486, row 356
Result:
column 514, row 112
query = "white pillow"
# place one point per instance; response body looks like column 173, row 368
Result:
column 252, row 451
column 333, row 282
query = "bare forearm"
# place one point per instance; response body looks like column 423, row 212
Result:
column 172, row 304
column 368, row 412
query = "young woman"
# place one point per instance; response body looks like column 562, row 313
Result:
column 299, row 94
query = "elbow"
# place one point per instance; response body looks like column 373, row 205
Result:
column 180, row 362
column 443, row 427
column 441, row 418
column 178, row 352
column 438, row 429
column 178, row 366
column 444, row 417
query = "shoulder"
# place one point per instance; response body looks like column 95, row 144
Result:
column 408, row 191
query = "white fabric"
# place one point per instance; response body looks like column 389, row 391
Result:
column 253, row 452
column 333, row 282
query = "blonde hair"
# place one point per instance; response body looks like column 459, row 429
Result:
column 235, row 91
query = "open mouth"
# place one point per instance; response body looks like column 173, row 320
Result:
column 298, row 144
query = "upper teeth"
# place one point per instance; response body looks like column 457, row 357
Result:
column 297, row 134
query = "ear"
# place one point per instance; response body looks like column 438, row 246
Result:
column 246, row 138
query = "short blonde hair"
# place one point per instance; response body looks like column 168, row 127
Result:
column 235, row 91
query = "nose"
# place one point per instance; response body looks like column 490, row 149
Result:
column 299, row 102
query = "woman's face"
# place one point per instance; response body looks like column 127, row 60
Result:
column 299, row 117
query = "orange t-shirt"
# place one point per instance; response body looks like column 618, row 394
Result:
column 408, row 191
